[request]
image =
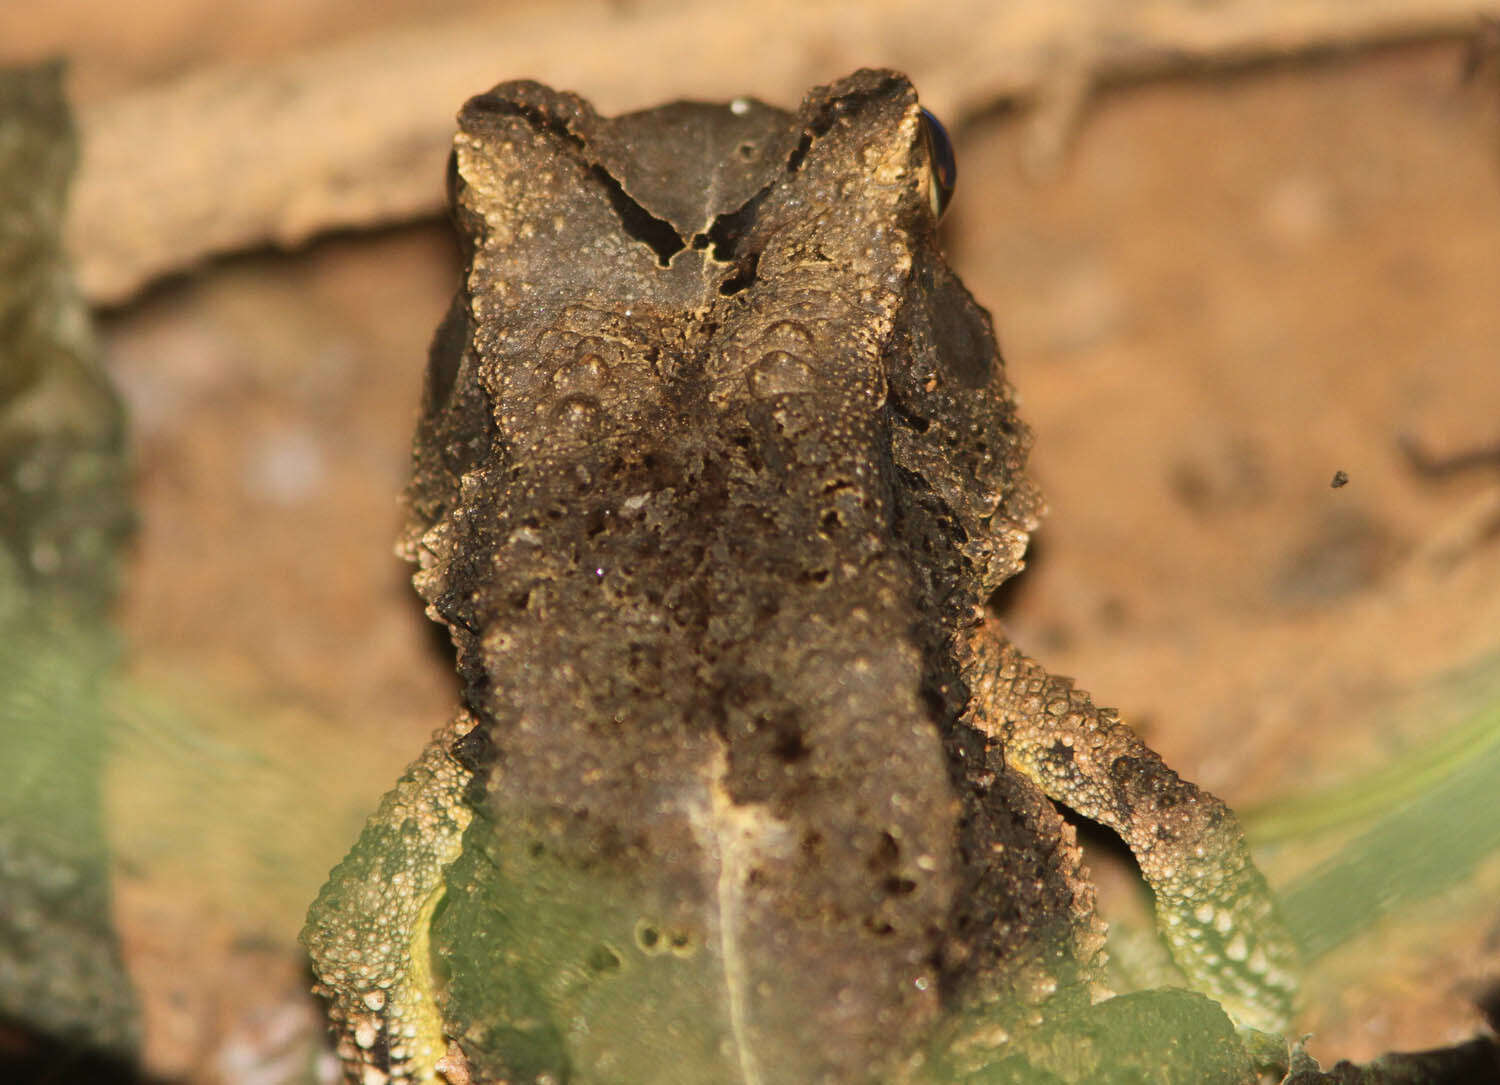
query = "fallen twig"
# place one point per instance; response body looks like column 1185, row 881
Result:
column 354, row 136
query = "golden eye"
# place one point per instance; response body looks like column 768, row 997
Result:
column 940, row 161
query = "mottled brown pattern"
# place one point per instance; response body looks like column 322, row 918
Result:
column 717, row 468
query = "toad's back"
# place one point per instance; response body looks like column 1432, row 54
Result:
column 696, row 557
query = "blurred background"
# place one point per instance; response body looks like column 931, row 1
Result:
column 1233, row 251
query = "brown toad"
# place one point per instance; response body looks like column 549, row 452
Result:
column 717, row 470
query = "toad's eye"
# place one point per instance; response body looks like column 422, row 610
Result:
column 452, row 180
column 940, row 161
